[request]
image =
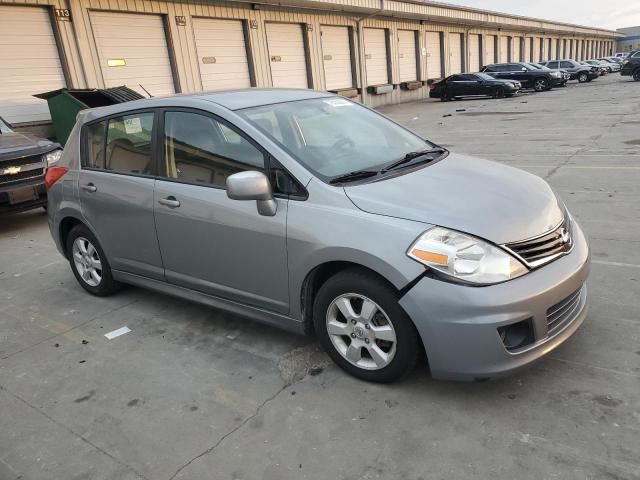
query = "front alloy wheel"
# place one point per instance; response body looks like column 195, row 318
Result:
column 583, row 77
column 636, row 75
column 361, row 331
column 363, row 328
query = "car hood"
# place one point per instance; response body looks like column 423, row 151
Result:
column 486, row 199
column 14, row 144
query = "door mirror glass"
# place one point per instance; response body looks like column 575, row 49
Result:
column 524, row 69
column 252, row 185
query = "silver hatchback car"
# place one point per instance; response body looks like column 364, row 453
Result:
column 313, row 213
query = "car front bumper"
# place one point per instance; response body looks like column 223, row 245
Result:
column 459, row 324
column 39, row 198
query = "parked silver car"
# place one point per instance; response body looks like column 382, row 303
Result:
column 310, row 212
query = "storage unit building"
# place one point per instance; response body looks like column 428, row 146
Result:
column 377, row 52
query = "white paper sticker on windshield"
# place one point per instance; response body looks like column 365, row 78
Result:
column 338, row 102
column 132, row 125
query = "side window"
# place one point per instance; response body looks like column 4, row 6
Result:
column 121, row 144
column 200, row 149
column 468, row 77
column 552, row 65
column 566, row 65
column 514, row 67
column 455, row 78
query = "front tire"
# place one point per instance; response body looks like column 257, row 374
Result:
column 636, row 75
column 498, row 92
column 363, row 328
column 540, row 84
column 583, row 77
column 89, row 263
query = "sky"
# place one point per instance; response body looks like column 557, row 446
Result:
column 609, row 14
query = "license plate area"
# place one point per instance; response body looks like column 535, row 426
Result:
column 21, row 195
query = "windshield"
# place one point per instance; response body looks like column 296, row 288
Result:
column 484, row 76
column 4, row 128
column 333, row 136
column 536, row 67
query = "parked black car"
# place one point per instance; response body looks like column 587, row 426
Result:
column 24, row 159
column 566, row 76
column 473, row 84
column 631, row 65
column 527, row 75
column 582, row 73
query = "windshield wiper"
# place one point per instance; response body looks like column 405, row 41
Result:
column 353, row 176
column 412, row 156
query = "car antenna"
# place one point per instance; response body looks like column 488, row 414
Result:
column 145, row 90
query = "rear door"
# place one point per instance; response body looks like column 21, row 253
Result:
column 209, row 242
column 287, row 55
column 116, row 183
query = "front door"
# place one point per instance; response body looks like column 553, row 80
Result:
column 116, row 192
column 209, row 242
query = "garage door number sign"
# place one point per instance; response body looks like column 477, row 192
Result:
column 62, row 14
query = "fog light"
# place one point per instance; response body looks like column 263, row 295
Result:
column 517, row 335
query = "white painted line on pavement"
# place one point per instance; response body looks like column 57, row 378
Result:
column 615, row 264
column 117, row 333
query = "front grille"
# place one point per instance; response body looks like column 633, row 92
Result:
column 563, row 311
column 19, row 162
column 545, row 248
column 22, row 175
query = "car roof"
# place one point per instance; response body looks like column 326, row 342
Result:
column 230, row 99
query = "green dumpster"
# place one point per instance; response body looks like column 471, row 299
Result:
column 64, row 105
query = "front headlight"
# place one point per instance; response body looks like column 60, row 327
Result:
column 53, row 157
column 464, row 257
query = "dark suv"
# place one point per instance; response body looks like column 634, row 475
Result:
column 528, row 76
column 631, row 65
column 578, row 71
column 24, row 159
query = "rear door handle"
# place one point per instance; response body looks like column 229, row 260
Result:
column 90, row 187
column 170, row 202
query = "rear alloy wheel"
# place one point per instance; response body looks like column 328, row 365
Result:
column 540, row 84
column 362, row 327
column 583, row 77
column 636, row 75
column 89, row 263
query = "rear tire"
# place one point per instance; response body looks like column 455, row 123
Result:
column 379, row 342
column 89, row 263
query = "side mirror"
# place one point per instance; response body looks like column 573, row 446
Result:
column 524, row 69
column 253, row 185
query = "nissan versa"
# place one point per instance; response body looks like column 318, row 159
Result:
column 312, row 213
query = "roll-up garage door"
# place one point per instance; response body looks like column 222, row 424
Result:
column 489, row 49
column 132, row 49
column 434, row 54
column 504, row 49
column 29, row 63
column 455, row 53
column 336, row 54
column 529, row 44
column 552, row 51
column 474, row 53
column 516, row 49
column 287, row 55
column 222, row 53
column 407, row 54
column 375, row 50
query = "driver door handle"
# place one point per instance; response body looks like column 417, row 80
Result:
column 170, row 202
column 90, row 187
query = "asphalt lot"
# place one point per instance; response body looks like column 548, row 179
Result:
column 193, row 393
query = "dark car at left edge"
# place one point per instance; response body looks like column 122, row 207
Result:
column 24, row 159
